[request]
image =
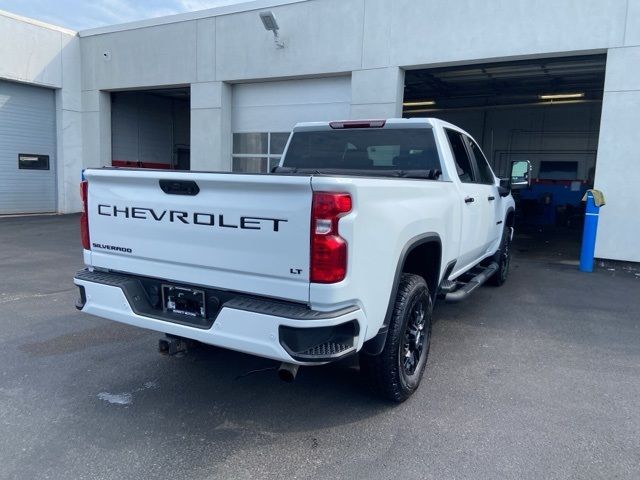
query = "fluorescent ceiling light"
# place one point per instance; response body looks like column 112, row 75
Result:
column 424, row 103
column 561, row 96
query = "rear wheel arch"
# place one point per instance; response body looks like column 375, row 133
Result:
column 422, row 255
column 424, row 259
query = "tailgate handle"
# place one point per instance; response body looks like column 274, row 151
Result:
column 179, row 187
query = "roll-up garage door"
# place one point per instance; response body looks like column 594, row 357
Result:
column 27, row 149
column 264, row 113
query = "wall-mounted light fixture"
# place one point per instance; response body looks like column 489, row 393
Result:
column 271, row 25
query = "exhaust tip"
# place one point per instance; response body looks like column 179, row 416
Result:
column 287, row 372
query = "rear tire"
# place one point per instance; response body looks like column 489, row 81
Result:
column 396, row 372
column 503, row 259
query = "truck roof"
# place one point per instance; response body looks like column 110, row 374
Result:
column 426, row 122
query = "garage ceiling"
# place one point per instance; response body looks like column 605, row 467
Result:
column 177, row 93
column 506, row 83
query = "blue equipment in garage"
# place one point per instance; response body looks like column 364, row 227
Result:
column 548, row 202
column 594, row 199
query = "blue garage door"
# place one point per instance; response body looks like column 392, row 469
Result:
column 27, row 149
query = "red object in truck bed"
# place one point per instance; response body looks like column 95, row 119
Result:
column 130, row 164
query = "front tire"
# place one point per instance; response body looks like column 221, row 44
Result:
column 503, row 259
column 396, row 372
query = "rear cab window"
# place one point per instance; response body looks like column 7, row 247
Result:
column 391, row 152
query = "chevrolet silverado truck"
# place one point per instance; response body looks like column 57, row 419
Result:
column 342, row 249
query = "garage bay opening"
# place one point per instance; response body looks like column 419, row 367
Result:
column 151, row 128
column 545, row 110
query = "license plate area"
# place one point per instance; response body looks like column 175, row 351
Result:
column 189, row 302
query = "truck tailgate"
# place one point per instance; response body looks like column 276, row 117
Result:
column 247, row 233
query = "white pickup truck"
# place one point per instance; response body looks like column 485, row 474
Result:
column 343, row 248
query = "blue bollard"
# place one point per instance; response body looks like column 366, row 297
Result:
column 589, row 234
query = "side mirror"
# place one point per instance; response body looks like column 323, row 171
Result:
column 520, row 174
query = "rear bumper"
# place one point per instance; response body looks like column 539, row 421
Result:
column 261, row 327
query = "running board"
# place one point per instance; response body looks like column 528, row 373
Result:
column 466, row 290
column 447, row 286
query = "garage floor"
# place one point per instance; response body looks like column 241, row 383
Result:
column 537, row 379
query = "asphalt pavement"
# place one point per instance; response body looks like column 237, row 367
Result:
column 537, row 379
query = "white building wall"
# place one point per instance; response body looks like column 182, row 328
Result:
column 446, row 31
column 96, row 128
column 320, row 37
column 44, row 55
column 211, row 126
column 377, row 92
column 69, row 125
column 161, row 55
column 618, row 167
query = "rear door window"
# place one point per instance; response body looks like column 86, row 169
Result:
column 485, row 175
column 461, row 157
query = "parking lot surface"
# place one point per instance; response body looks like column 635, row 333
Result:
column 537, row 379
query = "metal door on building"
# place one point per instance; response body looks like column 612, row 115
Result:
column 264, row 113
column 27, row 149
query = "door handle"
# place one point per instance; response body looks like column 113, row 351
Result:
column 491, row 199
column 469, row 200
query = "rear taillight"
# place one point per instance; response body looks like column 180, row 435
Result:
column 328, row 248
column 84, row 217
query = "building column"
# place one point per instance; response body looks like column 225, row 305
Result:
column 96, row 128
column 377, row 93
column 617, row 167
column 211, row 126
column 69, row 128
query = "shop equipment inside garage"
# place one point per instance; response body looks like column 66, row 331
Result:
column 545, row 110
